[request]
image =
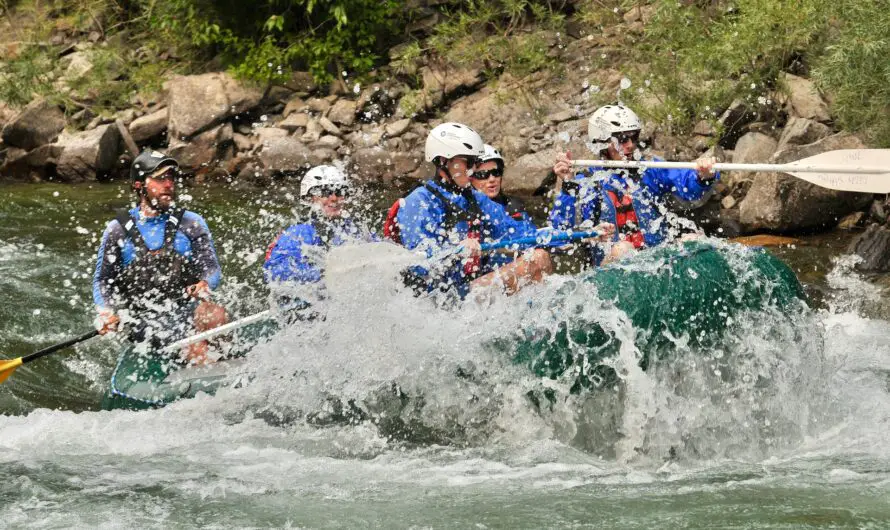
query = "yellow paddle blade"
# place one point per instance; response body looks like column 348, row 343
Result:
column 8, row 367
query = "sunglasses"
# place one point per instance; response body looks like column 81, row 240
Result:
column 485, row 174
column 327, row 191
column 622, row 138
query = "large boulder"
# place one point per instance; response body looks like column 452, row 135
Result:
column 284, row 154
column 752, row 148
column 525, row 174
column 88, row 155
column 873, row 246
column 149, row 126
column 781, row 203
column 39, row 123
column 802, row 131
column 208, row 147
column 197, row 103
column 36, row 164
column 805, row 99
column 441, row 82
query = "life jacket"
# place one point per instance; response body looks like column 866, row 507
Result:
column 453, row 215
column 626, row 222
column 154, row 278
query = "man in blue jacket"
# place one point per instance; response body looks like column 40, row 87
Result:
column 297, row 253
column 631, row 200
column 157, row 264
column 446, row 212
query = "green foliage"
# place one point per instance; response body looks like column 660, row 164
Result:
column 264, row 40
column 505, row 35
column 701, row 58
column 26, row 76
column 855, row 69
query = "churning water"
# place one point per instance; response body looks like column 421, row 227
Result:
column 784, row 425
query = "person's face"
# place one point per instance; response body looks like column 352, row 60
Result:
column 160, row 190
column 487, row 179
column 460, row 168
column 622, row 145
column 330, row 204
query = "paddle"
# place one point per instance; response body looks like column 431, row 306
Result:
column 859, row 170
column 225, row 328
column 8, row 367
column 544, row 238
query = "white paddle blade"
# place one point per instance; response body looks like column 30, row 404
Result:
column 857, row 170
column 860, row 170
column 351, row 268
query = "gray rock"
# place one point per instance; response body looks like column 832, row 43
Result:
column 318, row 105
column 88, row 155
column 343, row 112
column 561, row 116
column 327, row 142
column 148, row 126
column 873, row 246
column 397, row 128
column 39, row 123
column 199, row 102
column 35, row 164
column 313, row 132
column 799, row 131
column 525, row 174
column 782, row 203
column 284, row 154
column 329, row 127
column 294, row 122
column 805, row 98
column 206, row 148
column 294, row 105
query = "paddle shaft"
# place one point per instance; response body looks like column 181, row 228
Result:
column 60, row 346
column 225, row 328
column 783, row 168
column 539, row 240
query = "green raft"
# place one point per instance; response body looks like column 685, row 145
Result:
column 693, row 291
column 149, row 380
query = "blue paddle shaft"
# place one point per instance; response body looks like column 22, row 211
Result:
column 540, row 240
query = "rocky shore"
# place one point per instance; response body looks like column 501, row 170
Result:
column 226, row 131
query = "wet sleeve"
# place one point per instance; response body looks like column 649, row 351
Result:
column 203, row 252
column 287, row 259
column 108, row 264
column 683, row 183
column 420, row 222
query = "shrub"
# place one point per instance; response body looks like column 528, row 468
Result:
column 263, row 40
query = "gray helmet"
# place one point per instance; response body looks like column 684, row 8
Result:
column 148, row 162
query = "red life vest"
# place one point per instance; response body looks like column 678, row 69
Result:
column 626, row 223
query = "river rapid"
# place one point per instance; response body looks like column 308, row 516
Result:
column 797, row 440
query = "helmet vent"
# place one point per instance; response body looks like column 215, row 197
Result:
column 468, row 146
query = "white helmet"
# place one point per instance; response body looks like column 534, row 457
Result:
column 453, row 139
column 492, row 154
column 322, row 177
column 607, row 121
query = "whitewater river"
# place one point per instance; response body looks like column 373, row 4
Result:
column 803, row 446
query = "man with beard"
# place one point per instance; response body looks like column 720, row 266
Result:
column 157, row 265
